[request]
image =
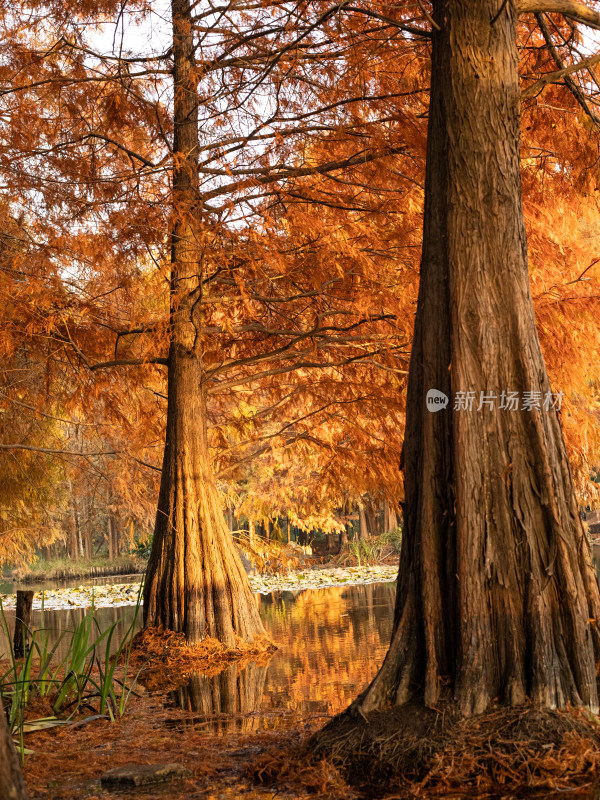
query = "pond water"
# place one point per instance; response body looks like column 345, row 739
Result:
column 331, row 642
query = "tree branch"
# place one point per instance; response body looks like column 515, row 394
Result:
column 298, row 365
column 568, row 8
column 52, row 452
column 413, row 29
column 280, row 173
column 129, row 362
column 561, row 74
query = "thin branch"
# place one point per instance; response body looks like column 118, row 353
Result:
column 430, row 19
column 53, row 452
column 580, row 278
column 51, row 416
column 298, row 365
column 257, row 176
column 412, row 29
column 563, row 74
column 129, row 362
column 146, row 464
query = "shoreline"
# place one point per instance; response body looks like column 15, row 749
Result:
column 126, row 594
column 79, row 572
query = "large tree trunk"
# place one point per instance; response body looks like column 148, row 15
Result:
column 496, row 596
column 12, row 785
column 195, row 582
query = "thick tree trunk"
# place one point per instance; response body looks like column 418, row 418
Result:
column 195, row 582
column 12, row 785
column 89, row 549
column 113, row 537
column 368, row 520
column 362, row 523
column 496, row 596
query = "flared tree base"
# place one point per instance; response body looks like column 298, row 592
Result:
column 417, row 749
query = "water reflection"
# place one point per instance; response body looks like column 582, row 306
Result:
column 331, row 642
column 60, row 622
column 226, row 702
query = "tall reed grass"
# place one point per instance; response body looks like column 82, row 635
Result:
column 84, row 679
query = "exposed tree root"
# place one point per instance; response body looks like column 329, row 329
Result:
column 427, row 752
column 164, row 658
column 292, row 768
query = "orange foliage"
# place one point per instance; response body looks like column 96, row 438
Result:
column 311, row 231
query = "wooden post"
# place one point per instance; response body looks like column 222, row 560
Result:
column 22, row 622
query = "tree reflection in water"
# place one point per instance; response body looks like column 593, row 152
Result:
column 60, row 623
column 331, row 642
column 225, row 703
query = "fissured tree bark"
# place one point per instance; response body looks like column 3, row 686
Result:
column 12, row 785
column 497, row 599
column 195, row 582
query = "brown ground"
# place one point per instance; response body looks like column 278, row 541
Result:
column 516, row 754
column 409, row 752
column 67, row 763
